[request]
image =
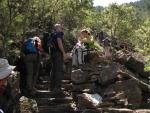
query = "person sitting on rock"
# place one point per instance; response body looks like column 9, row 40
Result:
column 5, row 72
column 83, row 47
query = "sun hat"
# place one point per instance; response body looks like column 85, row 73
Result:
column 5, row 68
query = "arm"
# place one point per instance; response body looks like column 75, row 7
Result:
column 60, row 45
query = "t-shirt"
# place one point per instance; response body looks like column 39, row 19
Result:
column 54, row 37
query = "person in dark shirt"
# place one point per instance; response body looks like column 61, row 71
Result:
column 107, row 48
column 58, row 55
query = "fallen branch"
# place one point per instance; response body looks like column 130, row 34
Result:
column 133, row 77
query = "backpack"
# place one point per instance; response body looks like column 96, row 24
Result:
column 45, row 41
column 51, row 44
column 29, row 46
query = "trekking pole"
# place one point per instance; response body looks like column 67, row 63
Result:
column 50, row 58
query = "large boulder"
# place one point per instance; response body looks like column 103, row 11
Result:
column 96, row 58
column 131, row 94
column 109, row 73
column 87, row 101
column 27, row 105
column 79, row 76
column 135, row 63
column 121, row 56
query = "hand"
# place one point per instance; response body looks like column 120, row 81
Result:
column 64, row 56
column 67, row 56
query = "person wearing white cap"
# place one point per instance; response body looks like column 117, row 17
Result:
column 5, row 68
column 5, row 71
column 107, row 48
column 1, row 111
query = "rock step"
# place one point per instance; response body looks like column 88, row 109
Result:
column 43, row 94
column 44, row 81
column 46, row 87
column 47, row 81
column 56, row 111
column 42, row 87
column 60, row 108
column 49, row 94
column 53, row 101
column 66, row 81
column 67, row 86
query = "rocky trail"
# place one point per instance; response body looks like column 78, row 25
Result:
column 100, row 86
column 49, row 102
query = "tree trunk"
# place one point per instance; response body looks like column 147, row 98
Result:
column 4, row 51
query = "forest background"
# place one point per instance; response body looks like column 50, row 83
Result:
column 129, row 22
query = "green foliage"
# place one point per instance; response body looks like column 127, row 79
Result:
column 142, row 7
column 142, row 38
column 147, row 64
column 119, row 21
column 126, row 22
column 96, row 46
column 129, row 22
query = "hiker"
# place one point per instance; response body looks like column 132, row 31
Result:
column 77, row 56
column 80, row 52
column 100, row 37
column 107, row 48
column 58, row 55
column 5, row 72
column 32, row 49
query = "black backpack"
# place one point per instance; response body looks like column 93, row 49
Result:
column 51, row 44
column 48, row 43
column 45, row 40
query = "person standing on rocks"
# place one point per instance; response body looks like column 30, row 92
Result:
column 58, row 55
column 32, row 49
column 107, row 48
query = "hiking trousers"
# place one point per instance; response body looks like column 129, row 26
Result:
column 31, row 62
column 57, row 73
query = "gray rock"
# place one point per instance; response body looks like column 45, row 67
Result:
column 78, row 76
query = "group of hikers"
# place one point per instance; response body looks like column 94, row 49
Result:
column 56, row 52
column 32, row 50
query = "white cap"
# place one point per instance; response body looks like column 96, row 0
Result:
column 1, row 111
column 5, row 68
